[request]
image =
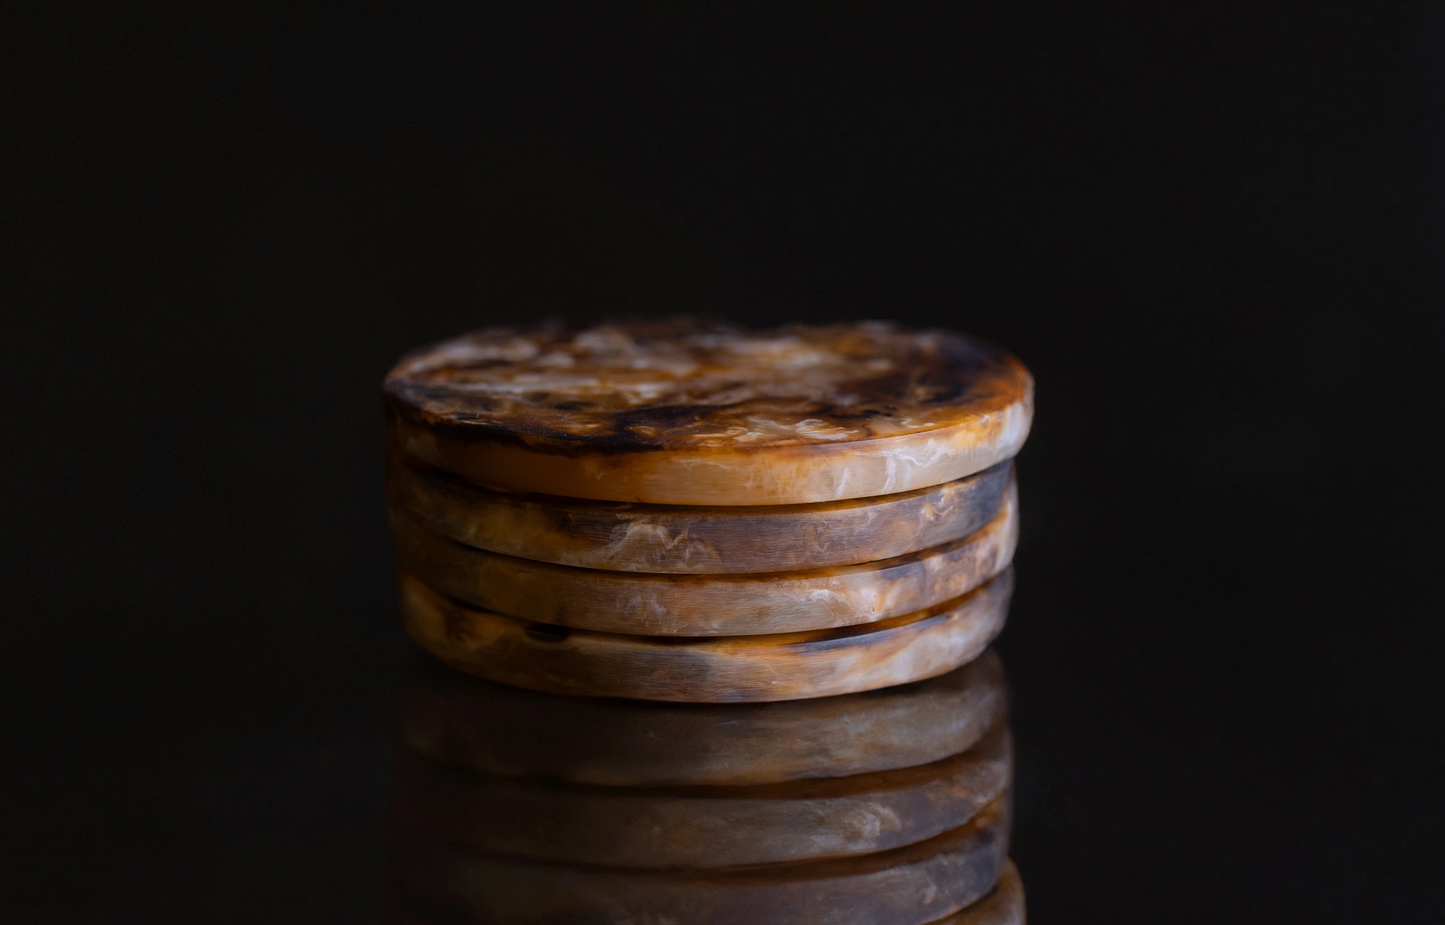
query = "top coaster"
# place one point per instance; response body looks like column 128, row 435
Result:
column 684, row 412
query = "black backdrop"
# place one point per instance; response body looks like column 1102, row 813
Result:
column 1210, row 232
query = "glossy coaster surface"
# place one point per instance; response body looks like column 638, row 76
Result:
column 696, row 540
column 699, row 827
column 461, row 720
column 707, row 605
column 782, row 666
column 681, row 412
column 914, row 885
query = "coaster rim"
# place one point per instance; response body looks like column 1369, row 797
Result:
column 694, row 539
column 710, row 669
column 638, row 603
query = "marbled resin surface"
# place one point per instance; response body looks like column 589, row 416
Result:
column 699, row 827
column 464, row 721
column 782, row 666
column 914, row 885
column 695, row 540
column 683, row 412
column 700, row 605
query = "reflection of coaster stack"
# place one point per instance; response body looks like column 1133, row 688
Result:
column 691, row 513
column 886, row 807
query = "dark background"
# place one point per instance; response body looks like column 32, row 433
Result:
column 1211, row 231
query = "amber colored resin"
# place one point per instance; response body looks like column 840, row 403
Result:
column 704, row 605
column 683, row 412
column 457, row 719
column 695, row 540
column 914, row 885
column 782, row 666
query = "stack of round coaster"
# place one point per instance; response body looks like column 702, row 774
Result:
column 734, row 586
column 692, row 512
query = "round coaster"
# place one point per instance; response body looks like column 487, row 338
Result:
column 709, row 605
column 684, row 412
column 461, row 720
column 915, row 885
column 712, row 540
column 782, row 666
column 1004, row 906
column 699, row 827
